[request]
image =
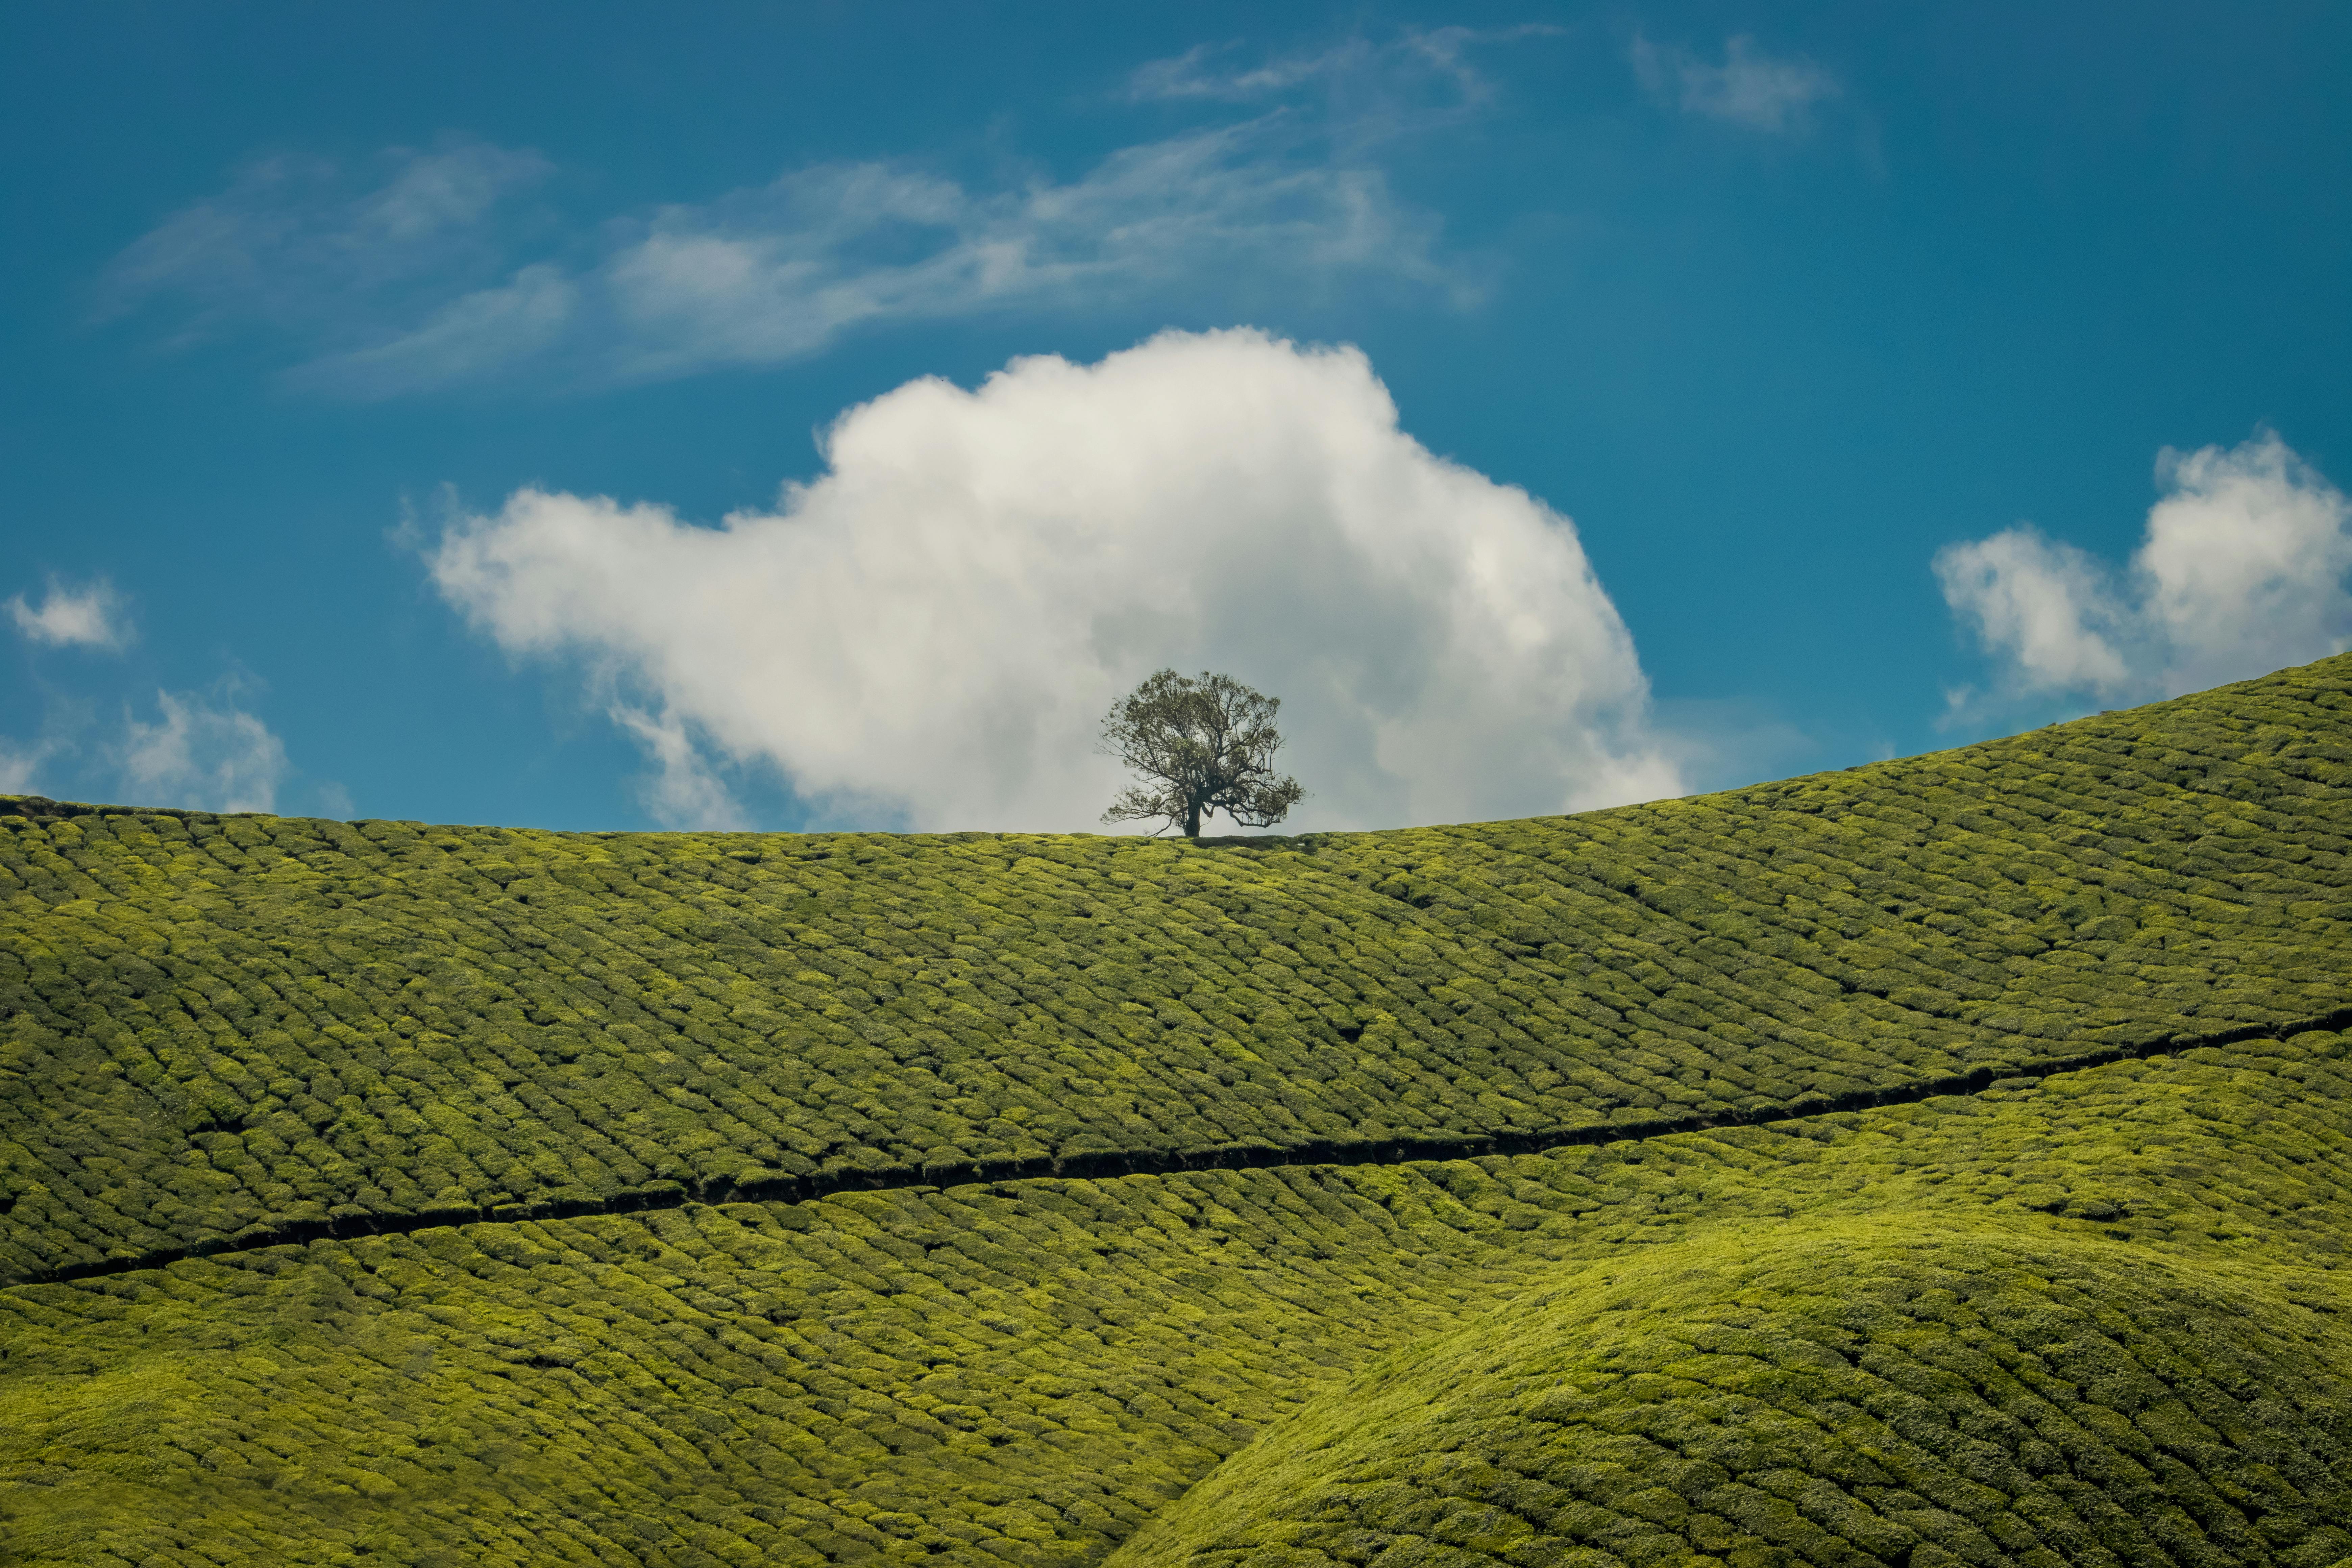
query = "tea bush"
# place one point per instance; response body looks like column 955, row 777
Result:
column 218, row 1027
column 1851, row 1397
column 2084, row 1313
column 1032, row 1372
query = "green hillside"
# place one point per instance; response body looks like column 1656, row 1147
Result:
column 1937, row 1160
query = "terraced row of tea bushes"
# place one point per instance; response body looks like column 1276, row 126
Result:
column 1846, row 1398
column 217, row 1027
column 1028, row 1373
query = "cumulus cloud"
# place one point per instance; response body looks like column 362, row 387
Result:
column 89, row 616
column 202, row 752
column 2049, row 608
column 2242, row 571
column 1751, row 87
column 929, row 632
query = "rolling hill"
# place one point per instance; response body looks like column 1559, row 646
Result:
column 1935, row 1159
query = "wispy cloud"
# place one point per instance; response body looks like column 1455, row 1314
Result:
column 421, row 282
column 1749, row 87
column 684, row 790
column 1198, row 74
column 292, row 244
column 203, row 752
column 19, row 764
column 478, row 334
column 2242, row 571
column 768, row 275
column 1423, row 63
column 1358, row 92
column 91, row 616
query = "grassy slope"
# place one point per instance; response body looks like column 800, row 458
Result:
column 1854, row 1395
column 1026, row 1373
column 216, row 1027
column 1845, row 1339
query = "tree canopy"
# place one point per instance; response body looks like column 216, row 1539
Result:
column 1203, row 745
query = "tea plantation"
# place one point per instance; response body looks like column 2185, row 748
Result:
column 1944, row 1160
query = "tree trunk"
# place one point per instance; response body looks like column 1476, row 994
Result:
column 1191, row 819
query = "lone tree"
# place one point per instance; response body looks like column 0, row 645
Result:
column 1201, row 745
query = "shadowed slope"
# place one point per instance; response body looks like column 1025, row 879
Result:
column 217, row 1029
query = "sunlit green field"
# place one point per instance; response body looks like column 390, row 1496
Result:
column 1934, row 1161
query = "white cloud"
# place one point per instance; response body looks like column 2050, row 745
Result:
column 2049, row 607
column 2242, row 571
column 931, row 630
column 201, row 753
column 1751, row 87
column 91, row 616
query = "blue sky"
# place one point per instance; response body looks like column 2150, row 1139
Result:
column 1554, row 404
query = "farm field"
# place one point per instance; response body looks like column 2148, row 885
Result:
column 1935, row 1161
